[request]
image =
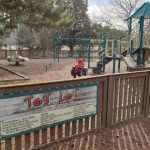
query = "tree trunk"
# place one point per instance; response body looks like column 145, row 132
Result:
column 71, row 50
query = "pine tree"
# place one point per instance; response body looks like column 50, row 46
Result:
column 33, row 13
column 81, row 25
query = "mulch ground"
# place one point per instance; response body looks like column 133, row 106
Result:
column 36, row 71
column 134, row 135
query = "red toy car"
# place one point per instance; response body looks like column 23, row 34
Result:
column 79, row 69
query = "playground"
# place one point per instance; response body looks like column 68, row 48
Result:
column 37, row 72
column 53, row 103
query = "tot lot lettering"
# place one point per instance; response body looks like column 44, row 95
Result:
column 33, row 102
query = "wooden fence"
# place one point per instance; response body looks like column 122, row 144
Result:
column 120, row 97
column 33, row 54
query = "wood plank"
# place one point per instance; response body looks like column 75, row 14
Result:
column 100, row 103
column 130, row 74
column 148, row 98
column 18, row 143
column 120, row 100
column 138, row 96
column 67, row 129
column 74, row 127
column 87, row 124
column 115, row 101
column 133, row 96
column 8, row 144
column 52, row 134
column 124, row 116
column 44, row 136
column 129, row 97
column 27, row 141
column 142, row 95
column 80, row 126
column 4, row 89
column 110, row 102
column 60, row 132
column 146, row 95
column 103, row 103
column 92, row 122
column 36, row 138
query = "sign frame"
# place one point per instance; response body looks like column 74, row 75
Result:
column 42, row 91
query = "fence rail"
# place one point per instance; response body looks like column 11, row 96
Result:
column 27, row 53
column 120, row 97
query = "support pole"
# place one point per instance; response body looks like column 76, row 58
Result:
column 120, row 51
column 55, row 48
column 104, row 52
column 104, row 47
column 76, row 51
column 131, row 48
column 89, row 51
column 130, row 27
column 83, row 49
column 114, row 56
column 55, row 53
column 130, row 34
column 59, row 45
column 140, row 55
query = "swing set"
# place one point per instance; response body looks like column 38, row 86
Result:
column 83, row 43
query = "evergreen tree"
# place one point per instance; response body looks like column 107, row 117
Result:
column 33, row 13
column 41, row 39
column 25, row 38
column 81, row 25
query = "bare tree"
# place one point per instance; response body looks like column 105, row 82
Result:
column 125, row 8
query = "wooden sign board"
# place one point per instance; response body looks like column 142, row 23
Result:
column 28, row 111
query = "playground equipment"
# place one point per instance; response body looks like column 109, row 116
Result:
column 142, row 13
column 104, row 58
column 117, row 46
column 129, row 61
column 82, row 42
column 17, row 58
column 131, row 66
column 107, row 54
column 79, row 69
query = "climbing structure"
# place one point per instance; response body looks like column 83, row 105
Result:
column 142, row 13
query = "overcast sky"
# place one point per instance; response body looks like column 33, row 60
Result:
column 95, row 2
column 96, row 6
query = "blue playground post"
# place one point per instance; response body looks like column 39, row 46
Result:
column 89, row 51
column 120, row 51
column 131, row 48
column 104, row 51
column 59, row 39
column 54, row 53
column 114, row 56
column 140, row 57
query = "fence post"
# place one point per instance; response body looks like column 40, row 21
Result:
column 5, row 54
column 146, row 105
column 109, row 101
column 105, row 102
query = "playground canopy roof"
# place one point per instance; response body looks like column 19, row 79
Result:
column 143, row 11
